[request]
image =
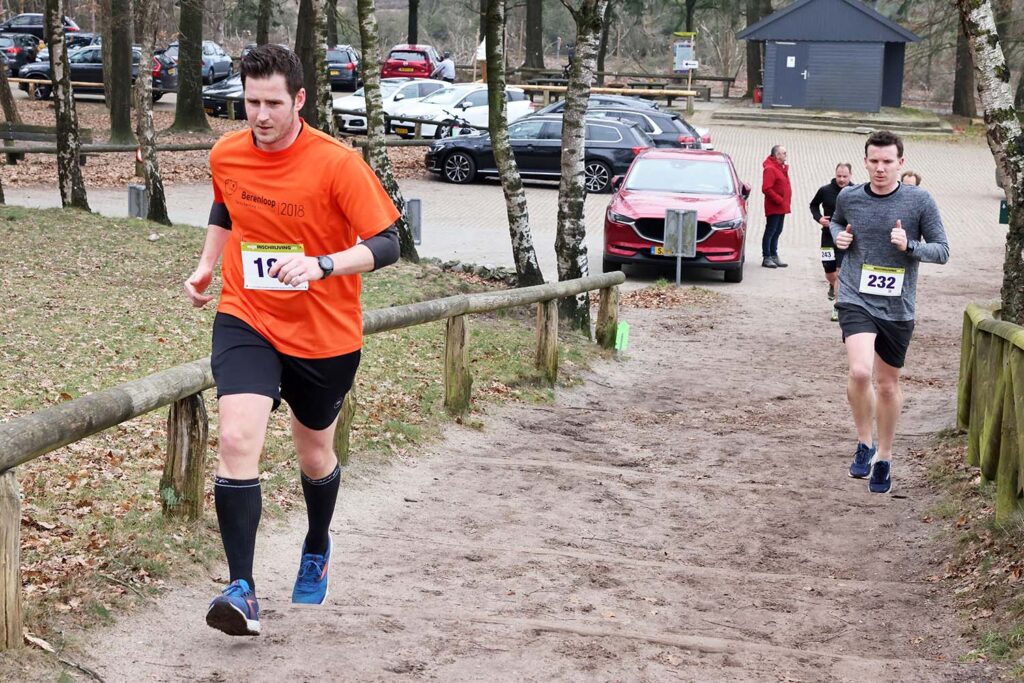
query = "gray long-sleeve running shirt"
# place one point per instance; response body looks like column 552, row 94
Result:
column 872, row 218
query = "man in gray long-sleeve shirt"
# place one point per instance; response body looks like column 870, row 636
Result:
column 880, row 225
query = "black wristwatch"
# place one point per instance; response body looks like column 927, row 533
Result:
column 326, row 264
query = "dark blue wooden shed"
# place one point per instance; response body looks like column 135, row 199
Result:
column 831, row 54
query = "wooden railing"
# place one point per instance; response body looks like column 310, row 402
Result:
column 181, row 488
column 528, row 72
column 990, row 403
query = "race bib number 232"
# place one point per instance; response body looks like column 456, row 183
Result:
column 257, row 260
column 881, row 281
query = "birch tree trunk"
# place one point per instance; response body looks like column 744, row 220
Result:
column 376, row 151
column 1005, row 139
column 69, row 173
column 534, row 34
column 117, row 72
column 523, row 253
column 263, row 16
column 188, row 111
column 147, row 11
column 570, row 244
column 10, row 107
column 324, row 101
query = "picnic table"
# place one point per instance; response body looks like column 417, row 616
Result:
column 648, row 85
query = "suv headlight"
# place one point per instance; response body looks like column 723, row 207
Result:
column 619, row 218
column 728, row 225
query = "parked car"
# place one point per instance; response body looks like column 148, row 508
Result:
column 86, row 66
column 610, row 147
column 216, row 62
column 413, row 61
column 392, row 90
column 660, row 179
column 666, row 128
column 33, row 24
column 20, row 49
column 621, row 101
column 467, row 101
column 74, row 41
column 216, row 97
column 343, row 67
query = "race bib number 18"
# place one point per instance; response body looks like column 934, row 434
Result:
column 257, row 260
column 881, row 281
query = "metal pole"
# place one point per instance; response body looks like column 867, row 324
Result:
column 414, row 214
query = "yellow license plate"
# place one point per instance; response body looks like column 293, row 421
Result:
column 172, row 71
column 209, row 110
column 658, row 251
column 402, row 131
column 335, row 72
column 405, row 69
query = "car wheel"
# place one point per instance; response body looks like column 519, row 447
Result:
column 735, row 276
column 610, row 266
column 597, row 177
column 442, row 131
column 42, row 92
column 157, row 95
column 459, row 168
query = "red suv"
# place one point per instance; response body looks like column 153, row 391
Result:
column 411, row 61
column 660, row 179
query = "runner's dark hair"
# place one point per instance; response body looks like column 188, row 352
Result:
column 883, row 138
column 266, row 60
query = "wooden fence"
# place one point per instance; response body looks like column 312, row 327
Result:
column 990, row 403
column 181, row 488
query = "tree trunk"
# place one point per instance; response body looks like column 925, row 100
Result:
column 117, row 72
column 263, row 16
column 414, row 17
column 691, row 5
column 570, row 244
column 332, row 22
column 310, row 37
column 602, row 50
column 7, row 102
column 525, row 257
column 69, row 173
column 483, row 21
column 753, row 49
column 376, row 152
column 107, row 44
column 188, row 111
column 963, row 84
column 147, row 12
column 534, row 34
column 1018, row 99
column 1005, row 139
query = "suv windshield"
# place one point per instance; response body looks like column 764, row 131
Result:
column 338, row 56
column 689, row 176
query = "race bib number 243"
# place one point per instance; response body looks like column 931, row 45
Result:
column 257, row 260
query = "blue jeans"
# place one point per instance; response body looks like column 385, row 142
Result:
column 772, row 230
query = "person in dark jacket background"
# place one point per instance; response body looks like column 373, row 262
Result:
column 777, row 194
column 822, row 206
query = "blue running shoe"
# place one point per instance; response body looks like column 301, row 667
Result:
column 314, row 574
column 861, row 465
column 880, row 481
column 235, row 611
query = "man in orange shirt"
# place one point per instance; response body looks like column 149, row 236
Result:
column 291, row 205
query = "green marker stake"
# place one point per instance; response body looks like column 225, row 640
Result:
column 622, row 336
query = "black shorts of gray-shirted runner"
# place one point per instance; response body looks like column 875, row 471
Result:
column 892, row 337
column 244, row 362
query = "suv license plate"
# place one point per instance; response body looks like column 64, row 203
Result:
column 658, row 251
column 209, row 110
column 335, row 72
column 402, row 131
column 405, row 69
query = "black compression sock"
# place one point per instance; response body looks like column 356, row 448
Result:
column 239, row 504
column 320, row 495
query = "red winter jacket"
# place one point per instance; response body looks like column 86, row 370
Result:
column 776, row 187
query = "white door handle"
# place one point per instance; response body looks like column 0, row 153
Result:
column 804, row 74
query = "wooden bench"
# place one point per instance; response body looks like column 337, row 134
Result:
column 21, row 132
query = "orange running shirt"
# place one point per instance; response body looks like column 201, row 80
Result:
column 317, row 193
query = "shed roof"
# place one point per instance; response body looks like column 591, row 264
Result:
column 828, row 21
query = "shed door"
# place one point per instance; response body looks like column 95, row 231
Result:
column 790, row 75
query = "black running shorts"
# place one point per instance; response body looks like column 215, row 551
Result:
column 827, row 243
column 244, row 362
column 892, row 336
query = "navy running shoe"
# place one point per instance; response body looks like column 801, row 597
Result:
column 861, row 465
column 235, row 611
column 314, row 575
column 881, row 481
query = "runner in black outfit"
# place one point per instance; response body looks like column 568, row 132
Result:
column 822, row 207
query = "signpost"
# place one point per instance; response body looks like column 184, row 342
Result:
column 1004, row 213
column 680, row 237
column 684, row 60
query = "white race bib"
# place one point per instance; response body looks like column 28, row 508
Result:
column 881, row 281
column 257, row 260
column 828, row 254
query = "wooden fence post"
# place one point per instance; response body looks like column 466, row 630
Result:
column 457, row 380
column 10, row 562
column 181, row 486
column 607, row 317
column 343, row 432
column 547, row 339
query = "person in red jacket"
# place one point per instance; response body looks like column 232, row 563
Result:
column 777, row 193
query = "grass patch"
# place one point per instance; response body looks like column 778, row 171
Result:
column 986, row 568
column 92, row 302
